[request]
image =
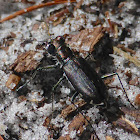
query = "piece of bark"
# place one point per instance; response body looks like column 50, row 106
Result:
column 137, row 101
column 109, row 138
column 78, row 5
column 78, row 124
column 71, row 108
column 134, row 81
column 84, row 41
column 26, row 62
column 126, row 125
column 58, row 17
column 134, row 113
column 13, row 81
column 7, row 41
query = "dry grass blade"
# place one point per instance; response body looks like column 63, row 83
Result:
column 127, row 56
column 34, row 7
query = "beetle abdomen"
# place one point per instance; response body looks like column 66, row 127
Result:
column 80, row 81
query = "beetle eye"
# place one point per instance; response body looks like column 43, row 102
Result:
column 60, row 39
column 51, row 49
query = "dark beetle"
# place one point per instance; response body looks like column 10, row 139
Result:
column 84, row 79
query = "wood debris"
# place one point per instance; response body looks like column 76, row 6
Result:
column 134, row 113
column 78, row 124
column 113, row 27
column 84, row 41
column 1, row 138
column 13, row 81
column 126, row 49
column 22, row 98
column 71, row 108
column 126, row 125
column 137, row 102
column 59, row 16
column 135, row 81
column 132, row 59
column 25, row 62
column 7, row 41
column 34, row 7
column 109, row 138
column 78, row 5
column 25, row 1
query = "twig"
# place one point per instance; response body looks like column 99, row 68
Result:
column 127, row 56
column 34, row 7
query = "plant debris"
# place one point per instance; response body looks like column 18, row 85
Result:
column 127, row 56
column 84, row 41
column 127, row 125
column 91, row 29
column 26, row 61
column 132, row 112
column 71, row 108
column 13, row 81
column 34, row 7
column 77, row 124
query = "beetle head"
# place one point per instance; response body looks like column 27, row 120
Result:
column 50, row 48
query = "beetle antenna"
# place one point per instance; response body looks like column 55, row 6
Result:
column 115, row 73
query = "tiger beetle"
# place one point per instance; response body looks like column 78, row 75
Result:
column 84, row 79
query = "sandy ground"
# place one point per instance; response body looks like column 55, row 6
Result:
column 21, row 117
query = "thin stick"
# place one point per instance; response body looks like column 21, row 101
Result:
column 34, row 7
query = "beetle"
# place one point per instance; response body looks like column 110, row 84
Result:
column 84, row 79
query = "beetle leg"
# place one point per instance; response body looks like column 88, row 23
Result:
column 53, row 89
column 109, row 75
column 74, row 96
column 35, row 73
